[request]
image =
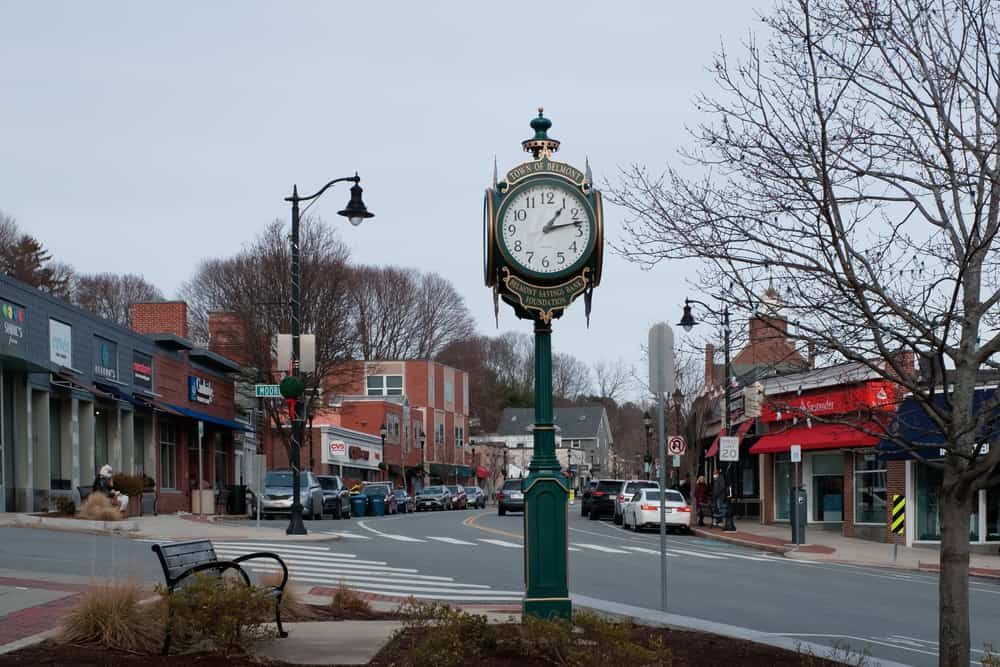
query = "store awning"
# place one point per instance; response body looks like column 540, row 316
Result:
column 912, row 425
column 820, row 436
column 68, row 381
column 201, row 416
column 463, row 471
column 740, row 432
column 121, row 395
column 441, row 469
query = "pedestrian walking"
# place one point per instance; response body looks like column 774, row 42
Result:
column 718, row 497
column 701, row 498
column 685, row 487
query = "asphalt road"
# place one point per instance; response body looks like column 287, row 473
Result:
column 476, row 556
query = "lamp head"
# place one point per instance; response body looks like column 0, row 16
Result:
column 687, row 320
column 678, row 396
column 423, row 439
column 383, row 431
column 356, row 211
column 647, row 421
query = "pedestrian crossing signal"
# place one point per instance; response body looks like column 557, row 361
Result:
column 898, row 525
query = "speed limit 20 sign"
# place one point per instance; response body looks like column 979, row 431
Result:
column 676, row 445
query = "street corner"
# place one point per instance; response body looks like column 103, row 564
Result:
column 31, row 610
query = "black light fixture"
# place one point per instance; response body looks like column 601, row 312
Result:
column 687, row 320
column 423, row 439
column 647, row 421
column 356, row 211
column 383, row 431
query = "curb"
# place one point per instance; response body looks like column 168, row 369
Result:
column 76, row 525
column 722, row 537
column 25, row 642
column 973, row 571
column 655, row 617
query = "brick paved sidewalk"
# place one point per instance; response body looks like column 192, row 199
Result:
column 38, row 618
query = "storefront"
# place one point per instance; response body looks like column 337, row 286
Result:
column 845, row 481
column 353, row 455
column 921, row 482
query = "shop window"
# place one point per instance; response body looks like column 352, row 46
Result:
column 870, row 504
column 784, row 471
column 100, row 438
column 749, row 477
column 929, row 481
column 384, row 385
column 168, row 456
column 139, row 445
column 221, row 466
column 993, row 514
column 55, row 447
column 828, row 487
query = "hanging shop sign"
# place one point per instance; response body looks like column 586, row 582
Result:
column 60, row 343
column 142, row 371
column 200, row 390
column 105, row 359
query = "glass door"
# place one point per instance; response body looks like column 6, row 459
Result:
column 783, row 471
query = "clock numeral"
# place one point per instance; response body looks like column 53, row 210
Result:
column 531, row 256
column 517, row 246
column 548, row 197
column 562, row 256
column 575, row 214
column 511, row 229
column 573, row 247
column 579, row 231
column 545, row 261
column 529, row 202
column 520, row 215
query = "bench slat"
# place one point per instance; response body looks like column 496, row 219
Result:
column 176, row 558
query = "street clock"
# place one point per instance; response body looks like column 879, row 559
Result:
column 543, row 232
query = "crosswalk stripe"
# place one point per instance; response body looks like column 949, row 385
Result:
column 372, row 582
column 451, row 540
column 491, row 598
column 314, row 569
column 598, row 547
column 278, row 545
column 284, row 553
column 344, row 533
column 377, row 577
column 500, row 543
column 697, row 554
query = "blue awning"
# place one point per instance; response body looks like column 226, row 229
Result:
column 218, row 421
column 911, row 424
column 122, row 395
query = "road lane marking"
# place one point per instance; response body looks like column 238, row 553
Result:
column 471, row 522
column 644, row 550
column 726, row 554
column 598, row 547
column 451, row 540
column 398, row 538
column 274, row 545
column 500, row 543
column 696, row 554
column 344, row 533
column 573, row 549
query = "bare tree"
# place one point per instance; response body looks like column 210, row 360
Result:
column 613, row 378
column 853, row 159
column 441, row 316
column 255, row 284
column 570, row 377
column 111, row 295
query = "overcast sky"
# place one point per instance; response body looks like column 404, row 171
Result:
column 143, row 137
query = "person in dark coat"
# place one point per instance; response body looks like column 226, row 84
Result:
column 103, row 484
column 718, row 497
column 700, row 498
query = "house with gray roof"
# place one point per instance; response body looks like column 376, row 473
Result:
column 583, row 440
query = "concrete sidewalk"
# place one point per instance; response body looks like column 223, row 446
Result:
column 824, row 545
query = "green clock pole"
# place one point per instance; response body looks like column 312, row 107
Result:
column 546, row 495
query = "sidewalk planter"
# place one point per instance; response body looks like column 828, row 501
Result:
column 81, row 525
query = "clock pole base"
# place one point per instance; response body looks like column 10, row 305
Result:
column 548, row 608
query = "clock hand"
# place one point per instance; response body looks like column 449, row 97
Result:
column 549, row 225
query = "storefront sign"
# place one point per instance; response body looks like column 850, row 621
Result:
column 200, row 390
column 105, row 359
column 14, row 321
column 142, row 371
column 839, row 401
column 360, row 453
column 337, row 448
column 60, row 343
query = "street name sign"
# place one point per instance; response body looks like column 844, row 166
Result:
column 796, row 453
column 676, row 445
column 267, row 391
column 729, row 448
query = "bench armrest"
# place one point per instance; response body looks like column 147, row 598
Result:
column 220, row 565
column 267, row 554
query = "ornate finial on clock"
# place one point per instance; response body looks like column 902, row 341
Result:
column 541, row 145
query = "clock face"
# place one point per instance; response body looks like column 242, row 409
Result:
column 546, row 228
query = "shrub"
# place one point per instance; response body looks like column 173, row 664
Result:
column 65, row 505
column 129, row 485
column 98, row 507
column 112, row 617
column 293, row 607
column 609, row 641
column 452, row 637
column 220, row 614
column 348, row 602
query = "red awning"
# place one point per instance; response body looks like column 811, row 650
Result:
column 740, row 432
column 482, row 473
column 821, row 436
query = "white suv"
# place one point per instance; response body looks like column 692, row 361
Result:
column 625, row 494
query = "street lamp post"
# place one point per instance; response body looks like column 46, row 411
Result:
column 356, row 212
column 383, row 431
column 647, row 460
column 423, row 472
column 688, row 322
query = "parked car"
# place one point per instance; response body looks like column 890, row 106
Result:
column 643, row 509
column 336, row 496
column 381, row 490
column 602, row 500
column 629, row 489
column 586, row 496
column 277, row 496
column 433, row 498
column 510, row 498
column 404, row 501
column 476, row 496
column 459, row 499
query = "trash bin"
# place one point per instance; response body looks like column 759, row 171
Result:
column 798, row 513
column 237, row 503
column 377, row 506
column 358, row 505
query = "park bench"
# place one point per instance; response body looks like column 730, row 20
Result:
column 183, row 559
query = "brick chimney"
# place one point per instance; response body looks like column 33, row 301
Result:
column 768, row 328
column 811, row 360
column 160, row 317
column 709, row 364
column 227, row 336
